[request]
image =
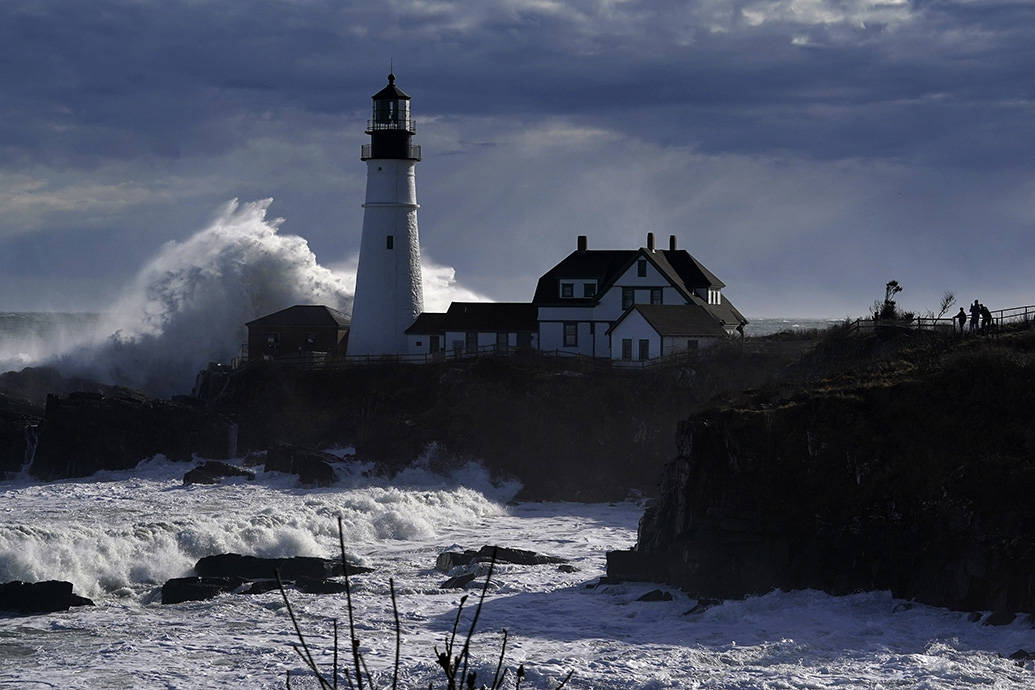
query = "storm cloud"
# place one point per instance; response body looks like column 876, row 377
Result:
column 807, row 151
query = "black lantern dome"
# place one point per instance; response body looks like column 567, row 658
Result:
column 391, row 127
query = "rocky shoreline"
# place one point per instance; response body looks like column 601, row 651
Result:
column 914, row 474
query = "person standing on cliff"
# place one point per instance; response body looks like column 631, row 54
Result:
column 975, row 314
column 986, row 319
column 962, row 318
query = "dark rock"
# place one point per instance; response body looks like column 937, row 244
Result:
column 564, row 568
column 315, row 586
column 656, row 595
column 182, row 589
column 211, row 472
column 517, row 556
column 604, row 580
column 447, row 560
column 1022, row 655
column 254, row 567
column 702, row 605
column 254, row 459
column 35, row 597
column 999, row 618
column 902, row 606
column 862, row 483
column 263, row 586
column 974, row 616
column 458, row 582
column 19, row 425
column 312, row 467
column 77, row 600
column 86, row 432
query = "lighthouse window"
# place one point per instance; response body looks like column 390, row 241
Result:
column 390, row 243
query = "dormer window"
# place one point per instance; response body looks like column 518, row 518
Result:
column 641, row 268
column 567, row 289
column 714, row 297
column 589, row 289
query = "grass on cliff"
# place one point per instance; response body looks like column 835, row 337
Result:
column 454, row 661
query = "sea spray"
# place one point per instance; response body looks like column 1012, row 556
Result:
column 189, row 305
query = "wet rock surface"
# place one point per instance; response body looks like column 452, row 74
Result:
column 256, row 568
column 211, row 472
column 869, row 481
column 313, row 467
column 447, row 560
column 39, row 597
column 85, row 432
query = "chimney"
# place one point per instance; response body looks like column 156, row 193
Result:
column 672, row 243
column 582, row 243
column 650, row 241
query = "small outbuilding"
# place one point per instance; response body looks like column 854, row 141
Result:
column 303, row 330
column 472, row 326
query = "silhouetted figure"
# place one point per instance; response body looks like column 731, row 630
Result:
column 986, row 319
column 962, row 318
column 975, row 314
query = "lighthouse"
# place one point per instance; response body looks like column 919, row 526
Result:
column 389, row 295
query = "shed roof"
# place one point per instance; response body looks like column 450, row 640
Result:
column 497, row 317
column 428, row 323
column 303, row 316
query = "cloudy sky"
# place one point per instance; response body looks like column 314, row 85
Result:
column 807, row 151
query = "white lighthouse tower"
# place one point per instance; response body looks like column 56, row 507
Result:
column 389, row 295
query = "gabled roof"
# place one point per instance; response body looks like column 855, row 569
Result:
column 681, row 269
column 390, row 92
column 676, row 320
column 303, row 316
column 501, row 317
column 727, row 313
column 428, row 323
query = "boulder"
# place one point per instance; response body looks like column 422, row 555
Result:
column 999, row 618
column 36, row 597
column 256, row 568
column 18, row 433
column 211, row 472
column 181, row 589
column 458, row 582
column 263, row 586
column 447, row 560
column 311, row 585
column 656, row 595
column 312, row 467
column 564, row 568
column 1022, row 655
column 701, row 606
column 82, row 433
column 77, row 600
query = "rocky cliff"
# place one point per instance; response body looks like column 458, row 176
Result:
column 914, row 474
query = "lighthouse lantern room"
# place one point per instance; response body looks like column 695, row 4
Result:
column 388, row 295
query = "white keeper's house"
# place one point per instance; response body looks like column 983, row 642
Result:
column 626, row 304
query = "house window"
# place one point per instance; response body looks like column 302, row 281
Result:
column 571, row 334
column 644, row 348
column 390, row 242
column 589, row 289
column 592, row 328
column 458, row 346
column 420, row 343
column 655, row 295
column 471, row 341
column 501, row 340
column 691, row 344
column 641, row 268
column 628, row 297
column 567, row 289
column 627, row 348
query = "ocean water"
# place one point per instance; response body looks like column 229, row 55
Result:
column 118, row 536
